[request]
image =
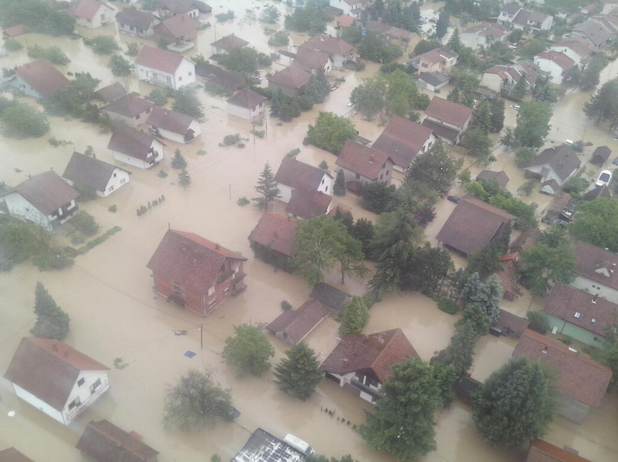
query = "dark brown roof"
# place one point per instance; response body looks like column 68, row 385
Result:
column 276, row 232
column 579, row 377
column 13, row 455
column 308, row 204
column 45, row 191
column 14, row 31
column 597, row 264
column 330, row 296
column 329, row 45
column 177, row 26
column 449, row 112
column 472, row 225
column 129, row 106
column 112, row 92
column 89, row 171
column 562, row 160
column 526, row 240
column 48, row 369
column 229, row 41
column 367, row 162
column 500, row 178
column 292, row 77
column 564, row 302
column 440, row 130
column 436, row 55
column 308, row 59
column 402, row 140
column 161, row 60
column 135, row 18
column 298, row 175
column 372, row 355
column 229, row 80
column 190, row 260
column 42, row 77
column 542, row 451
column 511, row 321
column 298, row 323
column 169, row 120
column 246, row 98
column 130, row 142
column 600, row 155
column 105, row 442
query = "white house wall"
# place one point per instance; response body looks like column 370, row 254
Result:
column 118, row 179
column 104, row 15
column 139, row 163
column 239, row 111
column 596, row 288
column 555, row 71
column 84, row 394
column 326, row 185
column 133, row 122
column 40, row 405
column 184, row 75
column 492, row 81
column 286, row 192
column 567, row 51
column 24, row 210
column 23, row 86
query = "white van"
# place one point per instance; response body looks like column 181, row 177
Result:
column 298, row 444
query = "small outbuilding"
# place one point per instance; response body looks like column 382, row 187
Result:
column 600, row 155
column 103, row 441
column 272, row 240
column 246, row 104
column 500, row 178
column 38, row 79
column 101, row 177
column 332, row 298
column 13, row 455
column 92, row 14
column 112, row 92
column 227, row 43
column 293, row 326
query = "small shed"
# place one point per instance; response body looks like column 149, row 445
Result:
column 432, row 81
column 500, row 178
column 333, row 299
column 294, row 325
column 599, row 191
column 600, row 155
column 509, row 323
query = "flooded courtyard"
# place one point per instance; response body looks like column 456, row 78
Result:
column 115, row 313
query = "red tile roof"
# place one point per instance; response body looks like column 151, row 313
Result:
column 402, row 140
column 112, row 92
column 296, row 324
column 542, row 451
column 579, row 377
column 329, row 45
column 86, row 8
column 190, row 260
column 105, row 442
column 360, row 159
column 560, row 59
column 42, row 77
column 308, row 59
column 178, row 26
column 472, row 225
column 500, row 178
column 276, row 232
column 292, row 77
column 308, row 204
column 13, row 455
column 48, row 369
column 46, row 191
column 229, row 41
column 373, row 354
column 298, row 175
column 161, row 60
column 597, row 264
column 436, row 55
column 14, row 31
column 564, row 301
column 345, row 20
column 526, row 240
column 449, row 112
column 512, row 322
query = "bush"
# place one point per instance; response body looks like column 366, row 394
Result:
column 102, row 44
column 112, row 208
column 99, row 240
column 243, row 201
column 293, row 153
column 132, row 48
column 448, row 306
column 538, row 319
column 222, row 17
column 158, row 97
column 371, row 298
column 12, row 45
column 52, row 54
column 523, row 157
column 285, row 305
column 85, row 223
column 230, row 140
column 23, row 121
column 280, row 39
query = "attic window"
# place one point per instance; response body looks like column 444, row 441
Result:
column 80, row 382
column 577, row 315
column 593, row 320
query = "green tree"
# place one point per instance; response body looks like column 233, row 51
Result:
column 355, row 317
column 516, row 403
column 519, row 90
column 184, row 179
column 178, row 161
column 496, row 121
column 244, row 60
column 364, row 232
column 37, row 16
column 186, row 102
column 330, row 132
column 478, row 145
column 369, row 98
column 523, row 157
column 603, row 105
column 454, row 43
column 317, row 87
column 533, row 123
column 248, row 351
column 339, row 187
column 53, row 54
column 23, row 121
column 476, row 317
column 158, row 97
column 488, row 294
column 532, row 48
column 102, row 44
column 311, row 18
column 608, row 353
column 591, row 75
column 270, row 14
column 596, row 222
column 299, row 372
column 349, row 254
column 482, row 117
column 51, row 321
column 403, row 421
column 442, row 24
column 379, row 198
column 460, row 352
column 508, row 138
column 195, row 402
column 538, row 319
column 426, row 45
column 435, row 168
column 426, row 268
column 266, row 188
column 374, row 47
column 552, row 260
column 120, row 67
column 279, row 39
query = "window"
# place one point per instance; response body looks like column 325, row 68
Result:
column 60, row 211
column 168, row 80
column 577, row 315
column 123, row 180
column 381, row 176
column 111, row 188
column 211, row 291
column 180, row 78
column 358, row 176
column 94, row 386
column 80, row 382
column 114, row 175
column 593, row 320
column 137, row 117
column 177, row 288
column 191, row 73
column 73, row 404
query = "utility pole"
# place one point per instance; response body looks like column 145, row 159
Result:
column 201, row 335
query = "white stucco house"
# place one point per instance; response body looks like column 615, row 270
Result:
column 129, row 110
column 92, row 14
column 55, row 378
column 352, row 8
column 340, row 52
column 556, row 64
column 38, row 79
column 44, row 199
column 164, row 68
column 576, row 48
column 514, row 15
column 173, row 126
column 553, row 167
column 102, row 177
column 246, row 104
column 448, row 120
column 135, row 148
column 595, row 271
column 137, row 22
column 483, row 35
column 294, row 174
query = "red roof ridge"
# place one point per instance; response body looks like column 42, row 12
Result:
column 203, row 242
column 116, row 441
column 65, row 355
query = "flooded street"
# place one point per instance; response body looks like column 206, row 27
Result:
column 115, row 313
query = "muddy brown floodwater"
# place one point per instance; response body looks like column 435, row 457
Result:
column 115, row 313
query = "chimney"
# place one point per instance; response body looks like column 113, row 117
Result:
column 573, row 350
column 55, row 346
column 594, row 299
column 545, row 349
column 371, row 159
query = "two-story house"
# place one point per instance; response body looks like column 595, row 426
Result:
column 55, row 378
column 352, row 8
column 313, row 61
column 290, row 80
column 129, row 110
column 164, row 68
column 44, row 199
column 171, row 8
column 362, row 165
column 246, row 104
column 556, row 64
column 227, row 43
column 437, row 61
column 135, row 148
column 595, row 271
column 576, row 48
column 483, row 35
column 137, row 22
column 178, row 33
column 364, row 362
column 553, row 167
column 195, row 272
column 38, row 79
column 173, row 125
column 92, row 14
column 514, row 15
column 340, row 52
column 99, row 176
column 294, row 174
column 502, row 78
column 448, row 120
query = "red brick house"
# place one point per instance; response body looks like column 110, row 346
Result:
column 195, row 272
